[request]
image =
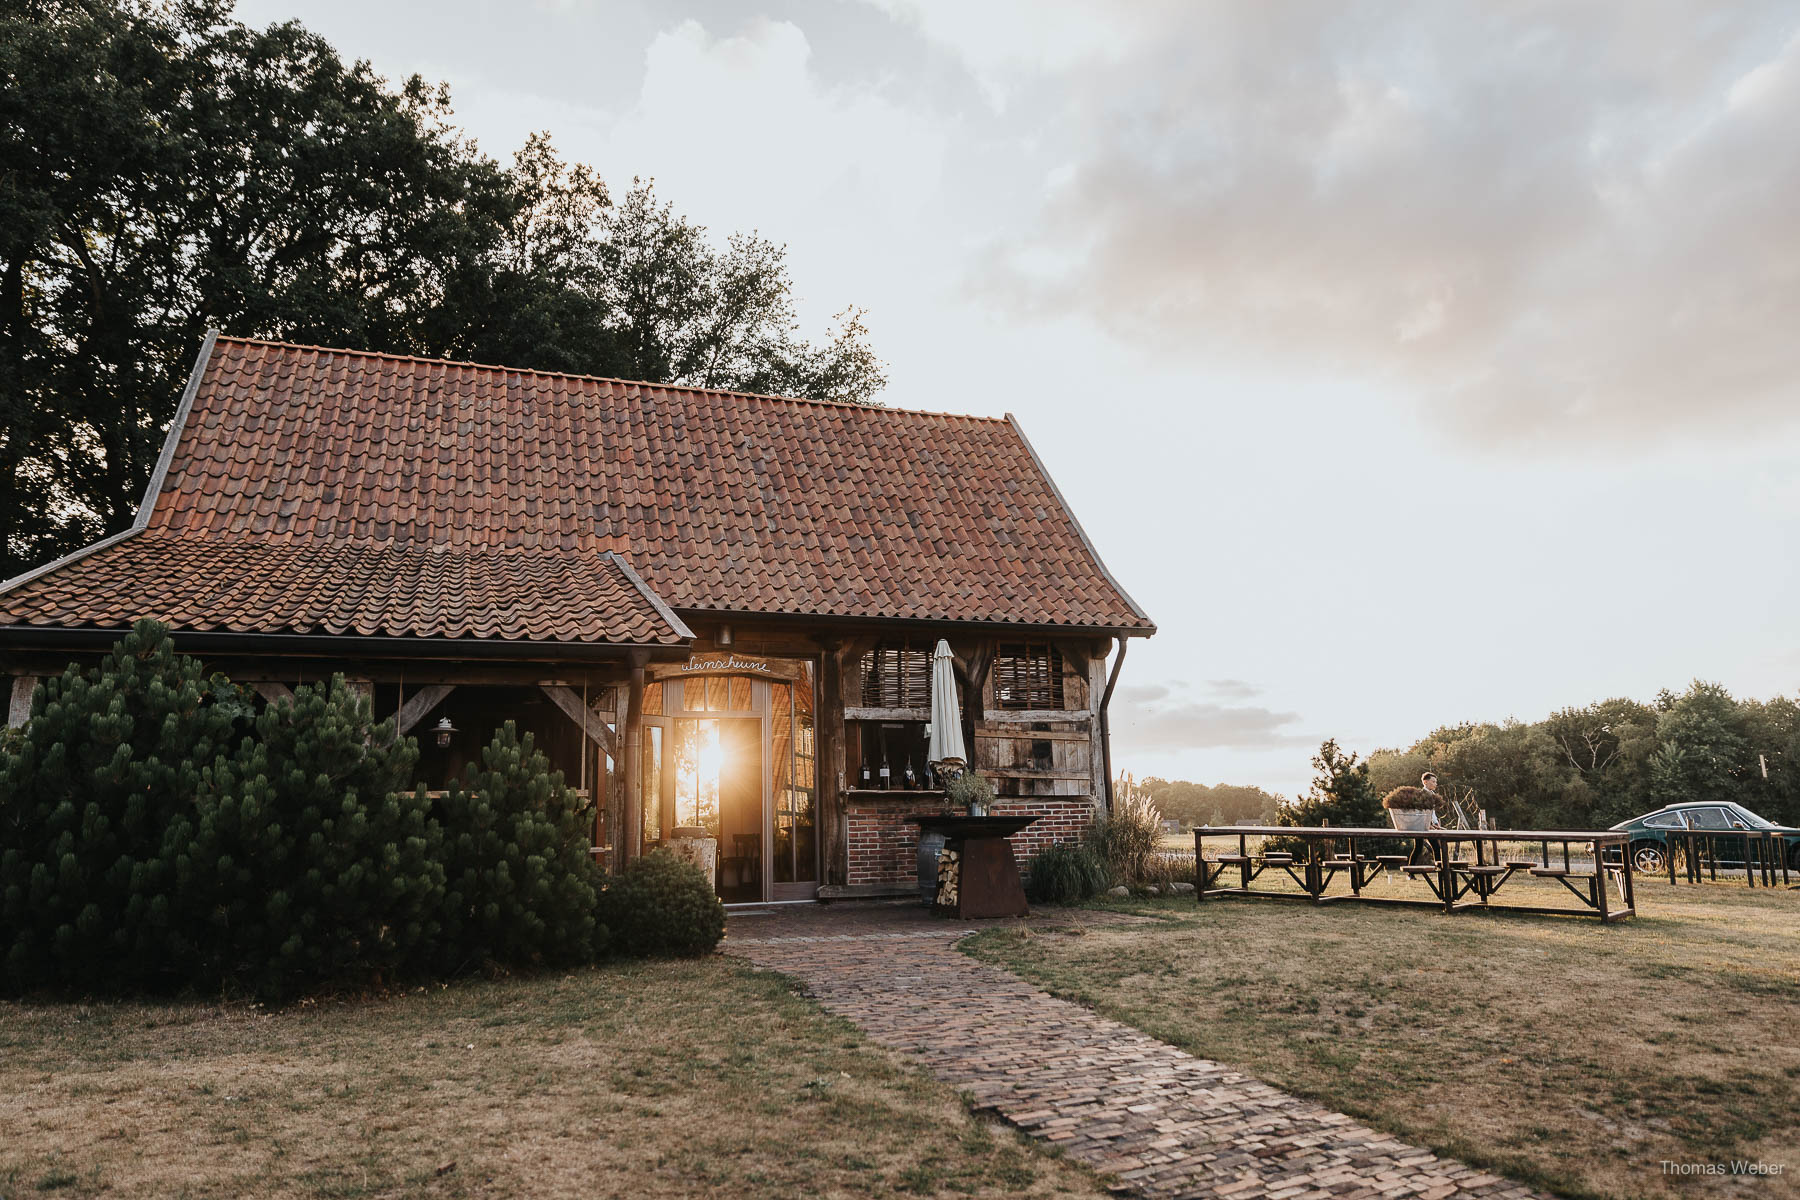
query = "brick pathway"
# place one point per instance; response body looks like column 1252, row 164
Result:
column 1165, row 1123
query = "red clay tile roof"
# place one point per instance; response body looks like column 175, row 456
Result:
column 254, row 586
column 432, row 498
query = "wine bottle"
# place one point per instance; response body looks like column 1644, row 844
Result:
column 887, row 776
column 912, row 778
column 865, row 778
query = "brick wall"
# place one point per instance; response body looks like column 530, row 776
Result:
column 884, row 846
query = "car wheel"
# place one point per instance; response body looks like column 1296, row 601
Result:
column 1649, row 858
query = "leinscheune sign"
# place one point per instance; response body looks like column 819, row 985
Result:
column 728, row 662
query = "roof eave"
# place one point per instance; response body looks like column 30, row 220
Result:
column 200, row 641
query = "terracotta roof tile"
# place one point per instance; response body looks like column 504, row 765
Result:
column 259, row 586
column 376, row 493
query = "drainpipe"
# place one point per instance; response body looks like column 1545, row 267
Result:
column 1112, row 681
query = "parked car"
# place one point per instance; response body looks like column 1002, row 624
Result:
column 1651, row 844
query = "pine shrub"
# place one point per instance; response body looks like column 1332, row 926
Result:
column 521, row 888
column 97, row 811
column 661, row 904
column 1066, row 873
column 312, row 863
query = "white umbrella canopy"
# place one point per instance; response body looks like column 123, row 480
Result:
column 946, row 713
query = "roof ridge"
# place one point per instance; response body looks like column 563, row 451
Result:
column 642, row 383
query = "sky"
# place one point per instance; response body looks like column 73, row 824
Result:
column 1410, row 364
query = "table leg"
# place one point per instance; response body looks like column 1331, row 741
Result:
column 1600, row 882
column 1200, row 872
column 1630, row 879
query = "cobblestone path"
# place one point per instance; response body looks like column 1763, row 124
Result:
column 1164, row 1123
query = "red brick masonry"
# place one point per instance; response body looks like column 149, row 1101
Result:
column 884, row 845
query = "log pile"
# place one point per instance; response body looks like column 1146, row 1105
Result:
column 949, row 879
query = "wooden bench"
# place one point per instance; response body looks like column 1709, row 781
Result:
column 1560, row 873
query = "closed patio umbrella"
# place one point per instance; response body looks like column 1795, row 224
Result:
column 946, row 713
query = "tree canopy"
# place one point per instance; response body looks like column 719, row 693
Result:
column 1594, row 766
column 165, row 168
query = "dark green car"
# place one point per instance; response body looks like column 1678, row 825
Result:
column 1651, row 844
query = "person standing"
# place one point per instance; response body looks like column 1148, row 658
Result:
column 1422, row 851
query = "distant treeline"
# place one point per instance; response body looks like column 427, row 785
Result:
column 1592, row 767
column 1200, row 804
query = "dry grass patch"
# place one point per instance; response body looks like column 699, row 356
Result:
column 661, row 1079
column 1551, row 1049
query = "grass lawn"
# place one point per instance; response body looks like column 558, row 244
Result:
column 696, row 1078
column 1552, row 1049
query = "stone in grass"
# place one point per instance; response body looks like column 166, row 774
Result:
column 1122, row 892
column 1181, row 889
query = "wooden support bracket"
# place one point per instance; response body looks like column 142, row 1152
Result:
column 418, row 705
column 595, row 724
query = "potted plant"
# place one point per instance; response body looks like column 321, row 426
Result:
column 1411, row 808
column 971, row 793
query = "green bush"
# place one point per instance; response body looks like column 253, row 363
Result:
column 520, row 886
column 1066, row 873
column 311, row 863
column 662, row 904
column 97, row 808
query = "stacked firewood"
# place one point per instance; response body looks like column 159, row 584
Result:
column 949, row 878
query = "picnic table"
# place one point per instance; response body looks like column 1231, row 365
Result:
column 1454, row 880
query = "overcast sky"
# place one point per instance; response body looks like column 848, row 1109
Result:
column 1409, row 363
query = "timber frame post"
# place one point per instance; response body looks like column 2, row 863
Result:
column 630, row 840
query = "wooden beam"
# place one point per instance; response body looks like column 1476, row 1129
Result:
column 887, row 714
column 273, row 692
column 418, row 705
column 594, row 725
column 1096, row 680
column 18, row 708
column 833, row 756
column 1026, row 716
column 631, row 838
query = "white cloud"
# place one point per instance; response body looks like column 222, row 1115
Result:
column 1545, row 222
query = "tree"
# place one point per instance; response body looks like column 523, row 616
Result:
column 688, row 314
column 1341, row 793
column 170, row 169
column 1703, row 751
column 1200, row 804
column 97, row 810
column 520, row 885
column 312, row 858
column 165, row 169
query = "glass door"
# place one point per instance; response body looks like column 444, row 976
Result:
column 736, row 755
column 794, row 872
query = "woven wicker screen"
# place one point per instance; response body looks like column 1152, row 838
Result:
column 897, row 675
column 1028, row 675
